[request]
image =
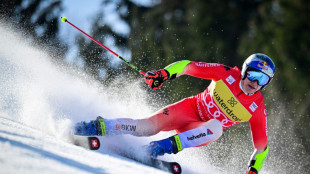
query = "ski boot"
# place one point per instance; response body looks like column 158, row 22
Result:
column 168, row 145
column 92, row 128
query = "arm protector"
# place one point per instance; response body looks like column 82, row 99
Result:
column 176, row 69
column 258, row 161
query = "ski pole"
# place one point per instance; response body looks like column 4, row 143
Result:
column 64, row 19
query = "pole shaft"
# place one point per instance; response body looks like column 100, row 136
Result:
column 131, row 65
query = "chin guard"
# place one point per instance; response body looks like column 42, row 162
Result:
column 258, row 161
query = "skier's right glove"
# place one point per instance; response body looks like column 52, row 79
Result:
column 155, row 78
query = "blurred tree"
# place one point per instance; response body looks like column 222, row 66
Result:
column 38, row 20
column 100, row 63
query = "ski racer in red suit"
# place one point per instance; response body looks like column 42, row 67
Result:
column 232, row 97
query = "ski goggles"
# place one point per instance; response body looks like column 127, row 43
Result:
column 261, row 78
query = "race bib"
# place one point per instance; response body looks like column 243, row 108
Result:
column 228, row 103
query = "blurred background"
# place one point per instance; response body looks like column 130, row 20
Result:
column 154, row 33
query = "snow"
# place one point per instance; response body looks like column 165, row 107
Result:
column 27, row 150
column 39, row 102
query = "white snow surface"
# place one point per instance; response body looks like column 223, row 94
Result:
column 39, row 102
column 27, row 150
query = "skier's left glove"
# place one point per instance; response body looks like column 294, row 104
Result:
column 257, row 162
column 252, row 171
column 155, row 78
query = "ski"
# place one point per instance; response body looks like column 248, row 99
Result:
column 172, row 167
column 88, row 142
column 93, row 143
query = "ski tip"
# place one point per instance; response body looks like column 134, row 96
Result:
column 94, row 143
column 175, row 168
column 64, row 19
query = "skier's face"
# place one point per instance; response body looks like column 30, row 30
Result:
column 250, row 87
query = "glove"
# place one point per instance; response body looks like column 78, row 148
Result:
column 252, row 171
column 155, row 78
column 257, row 161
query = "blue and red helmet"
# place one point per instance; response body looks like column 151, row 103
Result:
column 261, row 63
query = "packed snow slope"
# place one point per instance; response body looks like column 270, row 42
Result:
column 39, row 102
column 28, row 150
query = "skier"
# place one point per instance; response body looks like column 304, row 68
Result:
column 232, row 97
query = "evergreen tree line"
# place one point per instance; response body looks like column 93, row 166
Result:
column 224, row 32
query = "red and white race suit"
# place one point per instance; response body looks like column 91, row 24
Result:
column 223, row 100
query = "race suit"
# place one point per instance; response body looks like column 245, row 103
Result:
column 223, row 100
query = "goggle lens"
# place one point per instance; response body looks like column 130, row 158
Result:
column 262, row 79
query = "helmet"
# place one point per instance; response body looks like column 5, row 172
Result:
column 259, row 62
